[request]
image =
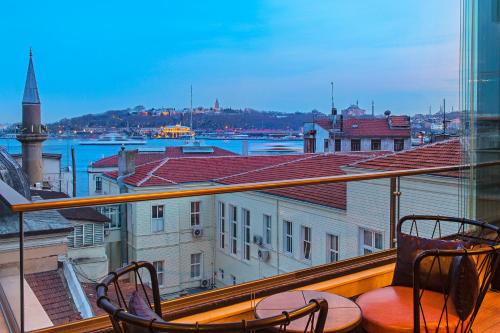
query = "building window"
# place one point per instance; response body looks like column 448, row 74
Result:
column 195, row 213
column 221, row 274
column 306, row 243
column 332, row 248
column 234, row 229
column 376, row 144
column 399, row 144
column 338, row 145
column 158, row 265
column 371, row 241
column 233, row 279
column 157, row 224
column 267, row 229
column 195, row 265
column 326, row 145
column 222, row 224
column 246, row 233
column 89, row 234
column 98, row 184
column 288, row 237
column 112, row 213
column 355, row 145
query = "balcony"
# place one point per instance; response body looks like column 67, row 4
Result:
column 360, row 207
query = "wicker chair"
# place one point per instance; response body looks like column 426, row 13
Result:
column 449, row 275
column 124, row 321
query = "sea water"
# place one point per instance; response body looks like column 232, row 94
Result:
column 86, row 154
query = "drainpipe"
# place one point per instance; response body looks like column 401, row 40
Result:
column 126, row 166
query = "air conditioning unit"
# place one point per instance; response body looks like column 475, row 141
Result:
column 197, row 231
column 258, row 240
column 205, row 283
column 264, row 255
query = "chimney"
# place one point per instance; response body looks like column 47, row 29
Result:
column 126, row 162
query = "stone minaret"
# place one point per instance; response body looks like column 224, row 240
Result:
column 32, row 132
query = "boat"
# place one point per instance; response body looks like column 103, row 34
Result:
column 114, row 139
column 272, row 148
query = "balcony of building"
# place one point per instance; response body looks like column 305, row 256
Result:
column 335, row 234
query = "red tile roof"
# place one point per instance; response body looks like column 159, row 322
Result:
column 377, row 128
column 396, row 126
column 399, row 121
column 333, row 195
column 198, row 169
column 433, row 155
column 53, row 294
column 325, row 123
column 246, row 169
column 146, row 157
column 81, row 214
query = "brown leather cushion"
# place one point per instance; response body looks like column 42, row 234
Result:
column 464, row 285
column 390, row 310
column 408, row 249
column 138, row 306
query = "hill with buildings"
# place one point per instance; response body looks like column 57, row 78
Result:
column 203, row 119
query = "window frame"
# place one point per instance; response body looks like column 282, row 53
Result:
column 98, row 184
column 355, row 143
column 326, row 145
column 267, row 232
column 306, row 242
column 339, row 143
column 221, row 209
column 374, row 142
column 332, row 251
column 234, row 229
column 399, row 143
column 155, row 221
column 364, row 248
column 195, row 213
column 160, row 272
column 198, row 264
column 246, row 233
column 287, row 237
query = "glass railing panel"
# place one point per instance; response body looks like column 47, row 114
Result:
column 10, row 273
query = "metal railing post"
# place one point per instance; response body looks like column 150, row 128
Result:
column 394, row 209
column 21, row 269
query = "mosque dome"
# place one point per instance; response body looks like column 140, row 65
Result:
column 12, row 174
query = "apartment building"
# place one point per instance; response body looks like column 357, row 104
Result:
column 231, row 238
column 336, row 134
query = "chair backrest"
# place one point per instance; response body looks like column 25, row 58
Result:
column 477, row 241
column 316, row 311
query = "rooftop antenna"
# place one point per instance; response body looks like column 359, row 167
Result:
column 333, row 104
column 444, row 115
column 191, row 110
column 373, row 109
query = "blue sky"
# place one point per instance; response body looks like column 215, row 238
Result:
column 92, row 56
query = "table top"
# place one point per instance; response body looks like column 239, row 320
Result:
column 343, row 314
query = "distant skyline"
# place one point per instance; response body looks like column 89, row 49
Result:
column 94, row 56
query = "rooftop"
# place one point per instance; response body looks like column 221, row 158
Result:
column 393, row 126
column 51, row 291
column 143, row 157
column 82, row 214
column 443, row 153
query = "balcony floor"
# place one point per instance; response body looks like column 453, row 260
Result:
column 488, row 320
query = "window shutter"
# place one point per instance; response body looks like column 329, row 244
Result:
column 88, row 234
column 98, row 233
column 78, row 230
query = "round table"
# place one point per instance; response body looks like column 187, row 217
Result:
column 343, row 314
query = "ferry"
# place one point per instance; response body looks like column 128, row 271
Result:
column 272, row 148
column 114, row 139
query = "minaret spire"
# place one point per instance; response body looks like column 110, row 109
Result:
column 32, row 133
column 30, row 87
